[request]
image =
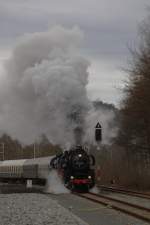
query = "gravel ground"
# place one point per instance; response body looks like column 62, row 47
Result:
column 34, row 209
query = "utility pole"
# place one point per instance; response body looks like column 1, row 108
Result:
column 2, row 150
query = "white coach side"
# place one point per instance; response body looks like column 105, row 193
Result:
column 37, row 168
column 11, row 168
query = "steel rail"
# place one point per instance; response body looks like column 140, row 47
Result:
column 134, row 210
column 125, row 191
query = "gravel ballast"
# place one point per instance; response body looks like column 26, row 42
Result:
column 34, row 209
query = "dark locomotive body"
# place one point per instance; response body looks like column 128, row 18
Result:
column 76, row 168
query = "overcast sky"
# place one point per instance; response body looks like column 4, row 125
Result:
column 109, row 28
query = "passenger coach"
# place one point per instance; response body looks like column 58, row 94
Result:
column 23, row 169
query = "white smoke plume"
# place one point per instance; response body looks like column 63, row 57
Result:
column 95, row 190
column 45, row 87
column 43, row 90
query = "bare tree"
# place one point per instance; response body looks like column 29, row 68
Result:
column 135, row 120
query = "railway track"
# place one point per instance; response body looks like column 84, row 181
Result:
column 125, row 191
column 134, row 210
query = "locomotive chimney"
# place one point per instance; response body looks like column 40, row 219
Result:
column 78, row 133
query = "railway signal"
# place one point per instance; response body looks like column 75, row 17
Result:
column 98, row 132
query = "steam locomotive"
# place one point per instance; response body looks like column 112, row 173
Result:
column 76, row 168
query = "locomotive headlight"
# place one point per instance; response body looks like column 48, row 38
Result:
column 72, row 177
column 89, row 177
column 80, row 155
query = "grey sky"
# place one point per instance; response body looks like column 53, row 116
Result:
column 109, row 26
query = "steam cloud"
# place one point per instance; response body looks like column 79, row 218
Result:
column 43, row 90
column 54, row 184
column 45, row 87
